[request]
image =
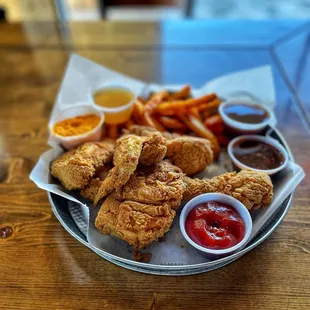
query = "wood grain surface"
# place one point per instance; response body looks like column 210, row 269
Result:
column 41, row 265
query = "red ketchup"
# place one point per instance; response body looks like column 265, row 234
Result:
column 215, row 225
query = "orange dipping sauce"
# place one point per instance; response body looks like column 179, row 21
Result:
column 76, row 126
column 115, row 102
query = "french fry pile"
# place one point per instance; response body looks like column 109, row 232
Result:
column 178, row 112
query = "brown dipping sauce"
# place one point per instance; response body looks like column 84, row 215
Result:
column 258, row 155
column 251, row 114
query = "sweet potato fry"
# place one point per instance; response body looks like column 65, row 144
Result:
column 172, row 112
column 197, row 126
column 163, row 94
column 171, row 123
column 149, row 108
column 142, row 100
column 104, row 132
column 181, row 94
column 158, row 125
column 153, row 122
column 138, row 111
column 223, row 140
column 194, row 111
column 155, row 100
column 214, row 104
column 215, row 124
column 129, row 123
column 183, row 104
column 112, row 131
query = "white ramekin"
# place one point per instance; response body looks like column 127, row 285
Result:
column 236, row 204
column 246, row 128
column 270, row 141
column 127, row 108
column 73, row 111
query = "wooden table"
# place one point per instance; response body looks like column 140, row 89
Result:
column 41, row 265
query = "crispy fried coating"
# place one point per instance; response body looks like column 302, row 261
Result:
column 142, row 210
column 75, row 168
column 154, row 149
column 136, row 223
column 130, row 150
column 191, row 154
column 155, row 185
column 253, row 189
column 91, row 189
column 152, row 152
column 126, row 158
column 142, row 131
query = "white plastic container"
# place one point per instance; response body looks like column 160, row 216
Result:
column 246, row 128
column 115, row 115
column 73, row 111
column 270, row 141
column 236, row 204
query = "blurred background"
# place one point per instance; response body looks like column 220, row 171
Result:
column 147, row 10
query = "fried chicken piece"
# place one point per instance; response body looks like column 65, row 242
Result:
column 152, row 185
column 142, row 131
column 129, row 151
column 142, row 210
column 154, row 149
column 253, row 189
column 155, row 185
column 75, row 168
column 136, row 223
column 91, row 189
column 191, row 154
column 126, row 157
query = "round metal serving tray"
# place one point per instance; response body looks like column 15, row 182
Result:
column 72, row 224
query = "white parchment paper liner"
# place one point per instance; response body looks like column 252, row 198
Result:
column 80, row 77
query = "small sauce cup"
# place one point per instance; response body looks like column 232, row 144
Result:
column 236, row 142
column 114, row 114
column 246, row 127
column 234, row 203
column 73, row 111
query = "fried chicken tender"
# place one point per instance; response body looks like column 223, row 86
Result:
column 136, row 223
column 126, row 158
column 191, row 154
column 154, row 149
column 75, row 168
column 159, row 184
column 253, row 189
column 130, row 150
column 91, row 189
column 156, row 184
column 143, row 209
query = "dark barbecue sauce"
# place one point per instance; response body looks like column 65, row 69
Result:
column 250, row 114
column 258, row 155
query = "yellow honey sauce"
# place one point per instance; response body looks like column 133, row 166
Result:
column 76, row 126
column 111, row 100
